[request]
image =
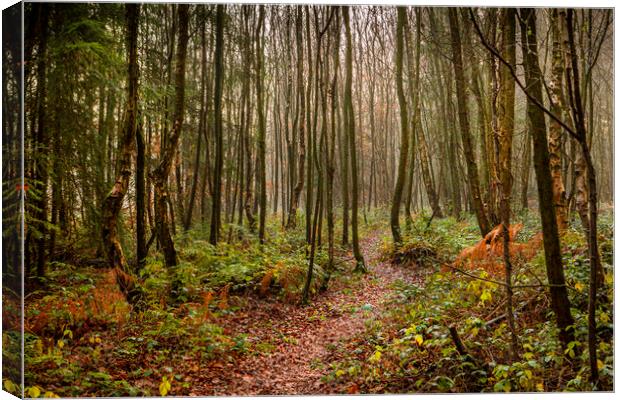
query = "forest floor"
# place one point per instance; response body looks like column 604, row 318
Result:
column 303, row 339
column 386, row 331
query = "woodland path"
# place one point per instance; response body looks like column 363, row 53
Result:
column 301, row 339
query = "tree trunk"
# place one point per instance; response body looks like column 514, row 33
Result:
column 506, row 111
column 350, row 129
column 42, row 139
column 262, row 171
column 292, row 216
column 159, row 176
column 472, row 168
column 551, row 241
column 555, row 130
column 141, row 250
column 582, row 137
column 401, row 27
column 217, row 101
column 114, row 200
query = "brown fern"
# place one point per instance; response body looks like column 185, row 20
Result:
column 487, row 253
column 223, row 304
column 265, row 282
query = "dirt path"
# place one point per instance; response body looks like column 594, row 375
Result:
column 297, row 339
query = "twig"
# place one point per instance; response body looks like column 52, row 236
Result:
column 501, row 317
column 534, row 100
column 492, row 280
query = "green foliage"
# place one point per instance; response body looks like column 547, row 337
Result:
column 415, row 352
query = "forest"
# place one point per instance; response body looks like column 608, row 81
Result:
column 228, row 199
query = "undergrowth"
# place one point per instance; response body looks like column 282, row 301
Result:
column 82, row 340
column 412, row 350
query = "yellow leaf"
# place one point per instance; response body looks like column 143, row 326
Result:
column 419, row 339
column 164, row 386
column 51, row 395
column 375, row 357
column 579, row 286
column 339, row 373
column 9, row 386
column 34, row 391
column 540, row 387
column 599, row 364
column 528, row 373
column 486, row 295
column 604, row 318
column 61, row 344
column 474, row 331
column 91, row 340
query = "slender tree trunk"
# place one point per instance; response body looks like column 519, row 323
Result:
column 505, row 133
column 217, row 101
column 425, row 164
column 551, row 241
column 159, row 176
column 525, row 171
column 350, row 129
column 555, row 130
column 42, row 138
column 595, row 262
column 292, row 216
column 414, row 97
column 201, row 126
column 472, row 168
column 331, row 152
column 141, row 250
column 114, row 200
column 401, row 28
column 311, row 131
column 261, row 127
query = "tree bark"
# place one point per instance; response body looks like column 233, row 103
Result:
column 401, row 27
column 262, row 171
column 292, row 216
column 217, row 101
column 461, row 96
column 159, row 176
column 551, row 241
column 350, row 129
column 506, row 111
column 555, row 130
column 595, row 262
column 43, row 141
column 114, row 200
